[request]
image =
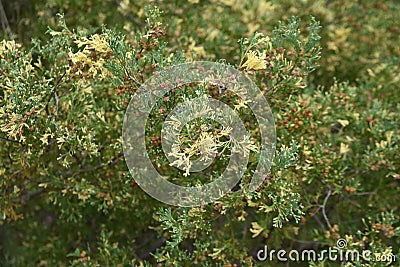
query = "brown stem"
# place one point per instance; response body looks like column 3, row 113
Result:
column 53, row 91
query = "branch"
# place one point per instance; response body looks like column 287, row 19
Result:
column 93, row 168
column 57, row 106
column 135, row 20
column 4, row 22
column 29, row 195
column 10, row 140
column 132, row 18
column 39, row 191
column 157, row 244
column 351, row 201
column 318, row 221
column 323, row 208
column 53, row 92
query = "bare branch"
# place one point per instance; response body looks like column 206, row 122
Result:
column 4, row 22
column 323, row 206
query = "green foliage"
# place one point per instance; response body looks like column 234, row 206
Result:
column 329, row 70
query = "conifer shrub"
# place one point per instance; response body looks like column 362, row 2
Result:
column 329, row 71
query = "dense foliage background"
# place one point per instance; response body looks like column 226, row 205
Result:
column 329, row 70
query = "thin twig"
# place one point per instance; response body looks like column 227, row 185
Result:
column 93, row 168
column 53, row 91
column 324, row 210
column 78, row 160
column 323, row 142
column 4, row 22
column 318, row 221
column 29, row 195
column 10, row 140
column 132, row 18
column 363, row 193
column 57, row 106
column 357, row 194
column 245, row 229
column 351, row 201
column 39, row 191
column 157, row 244
column 135, row 20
